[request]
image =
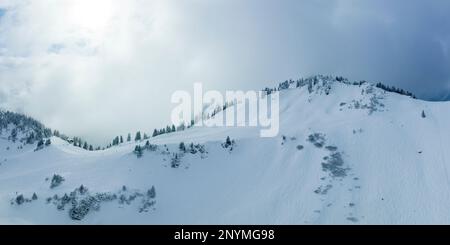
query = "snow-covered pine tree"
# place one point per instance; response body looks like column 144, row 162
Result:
column 227, row 142
column 152, row 192
column 182, row 147
column 138, row 136
column 138, row 151
column 40, row 145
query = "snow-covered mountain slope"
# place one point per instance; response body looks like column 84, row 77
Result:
column 346, row 154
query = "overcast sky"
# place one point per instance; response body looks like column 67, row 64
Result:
column 97, row 68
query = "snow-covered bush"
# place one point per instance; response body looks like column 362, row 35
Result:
column 331, row 148
column 148, row 200
column 80, row 208
column 40, row 145
column 81, row 202
column 182, row 147
column 192, row 149
column 175, row 161
column 138, row 151
column 56, row 181
column 151, row 147
column 196, row 148
column 229, row 144
column 334, row 165
column 20, row 199
column 152, row 192
column 317, row 139
column 43, row 143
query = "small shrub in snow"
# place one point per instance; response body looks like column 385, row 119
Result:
column 182, row 147
column 56, row 181
column 323, row 190
column 150, row 147
column 105, row 197
column 300, row 147
column 152, row 192
column 81, row 208
column 360, row 131
column 82, row 189
column 148, row 201
column 229, row 144
column 423, row 114
column 138, row 151
column 192, row 149
column 48, row 142
column 175, row 161
column 335, row 165
column 317, row 139
column 20, row 199
column 40, row 145
column 201, row 148
column 331, row 148
column 81, row 202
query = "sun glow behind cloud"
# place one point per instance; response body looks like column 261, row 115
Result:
column 90, row 15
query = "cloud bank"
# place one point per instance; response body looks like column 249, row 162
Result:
column 105, row 67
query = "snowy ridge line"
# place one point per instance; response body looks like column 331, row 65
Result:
column 344, row 155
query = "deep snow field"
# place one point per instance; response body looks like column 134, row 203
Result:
column 355, row 154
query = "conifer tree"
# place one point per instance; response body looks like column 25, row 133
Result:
column 138, row 136
column 182, row 147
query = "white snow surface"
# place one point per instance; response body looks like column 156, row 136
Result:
column 395, row 163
